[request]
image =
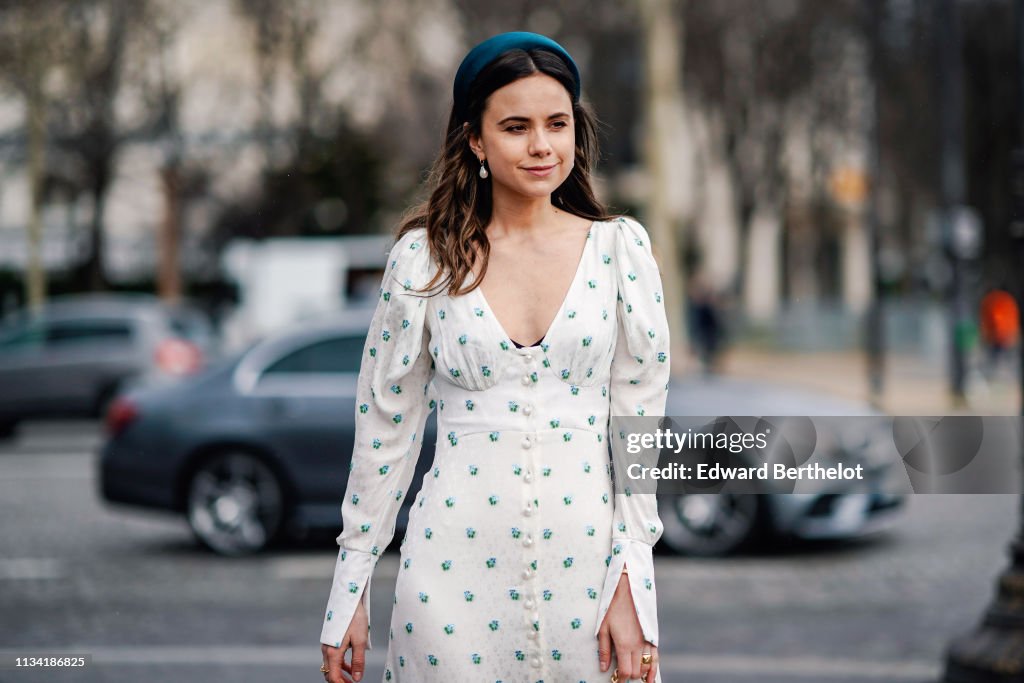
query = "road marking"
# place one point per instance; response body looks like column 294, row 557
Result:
column 725, row 664
column 31, row 568
column 18, row 466
column 818, row 667
column 236, row 655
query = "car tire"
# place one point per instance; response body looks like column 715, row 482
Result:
column 712, row 525
column 235, row 504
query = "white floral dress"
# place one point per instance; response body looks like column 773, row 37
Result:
column 516, row 540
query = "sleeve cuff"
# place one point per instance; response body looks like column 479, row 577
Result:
column 353, row 576
column 640, row 559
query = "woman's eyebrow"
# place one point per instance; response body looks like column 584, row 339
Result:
column 524, row 118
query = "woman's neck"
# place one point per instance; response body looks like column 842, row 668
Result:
column 520, row 215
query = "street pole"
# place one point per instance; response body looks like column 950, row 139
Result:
column 994, row 651
column 875, row 337
column 952, row 184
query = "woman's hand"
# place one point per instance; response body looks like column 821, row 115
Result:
column 621, row 630
column 356, row 638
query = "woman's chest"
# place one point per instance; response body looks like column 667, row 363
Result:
column 471, row 347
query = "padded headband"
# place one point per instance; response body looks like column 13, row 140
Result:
column 492, row 48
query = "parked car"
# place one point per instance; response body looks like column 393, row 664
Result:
column 259, row 448
column 711, row 524
column 72, row 358
column 254, row 449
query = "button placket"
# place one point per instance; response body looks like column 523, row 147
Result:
column 531, row 618
column 528, row 378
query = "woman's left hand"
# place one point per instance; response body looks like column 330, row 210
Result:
column 621, row 630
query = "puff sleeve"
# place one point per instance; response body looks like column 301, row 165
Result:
column 393, row 400
column 639, row 387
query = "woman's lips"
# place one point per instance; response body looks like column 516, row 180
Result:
column 541, row 172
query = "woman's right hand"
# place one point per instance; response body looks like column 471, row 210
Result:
column 355, row 637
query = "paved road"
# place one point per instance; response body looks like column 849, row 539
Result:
column 133, row 590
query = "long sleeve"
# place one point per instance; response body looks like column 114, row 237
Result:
column 393, row 400
column 639, row 387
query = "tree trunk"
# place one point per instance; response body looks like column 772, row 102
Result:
column 761, row 290
column 856, row 250
column 718, row 224
column 663, row 106
column 169, row 273
column 35, row 271
column 93, row 269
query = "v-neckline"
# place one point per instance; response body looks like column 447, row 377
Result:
column 546, row 338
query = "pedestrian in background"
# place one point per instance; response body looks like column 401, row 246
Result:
column 999, row 326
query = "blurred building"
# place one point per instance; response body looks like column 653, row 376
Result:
column 283, row 281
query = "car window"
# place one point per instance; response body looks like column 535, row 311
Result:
column 22, row 337
column 190, row 325
column 338, row 354
column 71, row 332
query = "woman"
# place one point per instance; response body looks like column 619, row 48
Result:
column 520, row 562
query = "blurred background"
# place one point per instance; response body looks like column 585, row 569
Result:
column 196, row 202
column 826, row 181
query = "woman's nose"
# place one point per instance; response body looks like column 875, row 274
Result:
column 539, row 142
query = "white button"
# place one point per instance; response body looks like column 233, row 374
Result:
column 527, row 443
column 527, row 574
column 535, row 662
column 528, row 510
column 528, row 409
column 525, row 380
column 528, row 357
column 533, row 635
column 529, row 603
column 528, row 477
column 528, row 541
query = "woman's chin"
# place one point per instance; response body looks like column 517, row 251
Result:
column 539, row 188
column 534, row 190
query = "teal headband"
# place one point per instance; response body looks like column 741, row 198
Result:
column 492, row 48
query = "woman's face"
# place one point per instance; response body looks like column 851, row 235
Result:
column 526, row 125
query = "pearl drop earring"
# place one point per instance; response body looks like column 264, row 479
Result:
column 483, row 171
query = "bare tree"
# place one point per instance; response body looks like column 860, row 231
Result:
column 761, row 68
column 99, row 32
column 33, row 47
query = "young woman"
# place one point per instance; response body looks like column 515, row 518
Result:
column 520, row 561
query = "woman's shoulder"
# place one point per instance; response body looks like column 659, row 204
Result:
column 409, row 262
column 628, row 231
column 623, row 238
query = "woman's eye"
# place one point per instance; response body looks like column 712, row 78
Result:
column 516, row 129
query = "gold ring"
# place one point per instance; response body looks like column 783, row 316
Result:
column 615, row 675
column 645, row 658
column 324, row 669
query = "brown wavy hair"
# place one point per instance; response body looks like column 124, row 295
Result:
column 459, row 204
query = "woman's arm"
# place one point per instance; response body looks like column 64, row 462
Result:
column 392, row 405
column 639, row 388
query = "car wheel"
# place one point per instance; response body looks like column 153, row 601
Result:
column 7, row 429
column 710, row 525
column 235, row 504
